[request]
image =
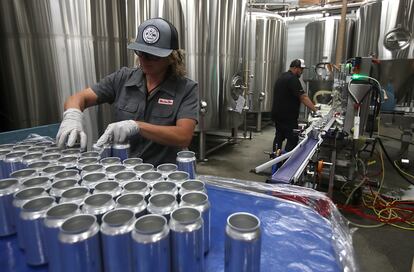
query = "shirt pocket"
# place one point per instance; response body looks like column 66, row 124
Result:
column 163, row 115
column 128, row 105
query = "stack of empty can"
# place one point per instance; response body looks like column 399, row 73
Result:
column 80, row 211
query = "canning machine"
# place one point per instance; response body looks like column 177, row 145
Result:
column 330, row 142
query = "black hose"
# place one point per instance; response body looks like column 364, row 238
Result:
column 392, row 162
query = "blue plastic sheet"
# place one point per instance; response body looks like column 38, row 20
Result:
column 294, row 237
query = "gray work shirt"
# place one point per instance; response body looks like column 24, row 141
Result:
column 175, row 98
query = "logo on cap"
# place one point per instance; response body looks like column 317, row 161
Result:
column 151, row 34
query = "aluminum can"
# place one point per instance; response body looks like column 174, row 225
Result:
column 39, row 165
column 187, row 251
column 3, row 154
column 8, row 187
column 82, row 162
column 75, row 195
column 21, row 147
column 71, row 152
column 90, row 154
column 116, row 238
column 65, row 174
column 20, row 198
column 139, row 187
column 54, row 219
column 162, row 204
column 164, row 187
column 90, row 180
column 79, row 244
column 12, row 162
column 151, row 244
column 50, row 157
column 112, row 170
column 31, row 158
column 44, row 144
column 110, row 187
column 131, row 162
column 6, row 146
column 125, row 177
column 121, row 151
column 166, row 168
column 134, row 202
column 110, row 161
column 69, row 162
column 98, row 205
column 43, row 182
column 151, row 177
column 242, row 243
column 178, row 177
column 51, row 171
column 29, row 141
column 104, row 151
column 58, row 187
column 200, row 201
column 32, row 215
column 92, row 168
column 24, row 174
column 192, row 185
column 186, row 161
column 52, row 150
column 36, row 149
column 143, row 168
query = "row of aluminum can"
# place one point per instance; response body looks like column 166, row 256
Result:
column 92, row 184
column 14, row 157
column 29, row 211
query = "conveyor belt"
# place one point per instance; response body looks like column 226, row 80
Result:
column 296, row 163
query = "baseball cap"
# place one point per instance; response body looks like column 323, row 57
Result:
column 157, row 37
column 300, row 63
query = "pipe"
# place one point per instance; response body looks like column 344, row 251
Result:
column 341, row 34
column 298, row 11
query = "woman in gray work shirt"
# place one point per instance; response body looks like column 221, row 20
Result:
column 155, row 105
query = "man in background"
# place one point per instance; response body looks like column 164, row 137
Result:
column 288, row 94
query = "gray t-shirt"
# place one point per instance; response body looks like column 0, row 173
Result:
column 175, row 98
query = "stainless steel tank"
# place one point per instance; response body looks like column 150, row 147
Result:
column 51, row 49
column 321, row 41
column 265, row 53
column 385, row 29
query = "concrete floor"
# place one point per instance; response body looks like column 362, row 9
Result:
column 380, row 249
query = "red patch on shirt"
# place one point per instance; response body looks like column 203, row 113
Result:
column 165, row 101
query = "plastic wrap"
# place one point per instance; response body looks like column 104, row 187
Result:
column 341, row 237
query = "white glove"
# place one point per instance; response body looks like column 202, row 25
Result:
column 118, row 132
column 70, row 128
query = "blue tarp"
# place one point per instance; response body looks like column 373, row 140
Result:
column 294, row 237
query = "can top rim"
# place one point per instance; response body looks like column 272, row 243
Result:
column 186, row 215
column 150, row 224
column 78, row 223
column 243, row 222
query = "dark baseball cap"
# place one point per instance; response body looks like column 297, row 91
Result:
column 157, row 37
column 300, row 63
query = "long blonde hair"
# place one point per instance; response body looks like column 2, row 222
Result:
column 177, row 58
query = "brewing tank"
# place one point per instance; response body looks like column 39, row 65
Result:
column 265, row 51
column 51, row 49
column 321, row 38
column 54, row 48
column 385, row 29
